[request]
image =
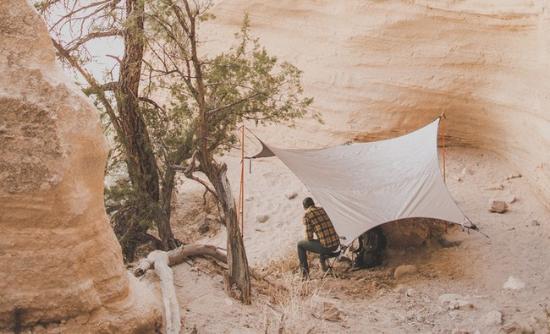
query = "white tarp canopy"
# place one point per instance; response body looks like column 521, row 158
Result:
column 363, row 185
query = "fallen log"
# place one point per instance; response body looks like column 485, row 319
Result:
column 178, row 255
column 161, row 261
column 172, row 317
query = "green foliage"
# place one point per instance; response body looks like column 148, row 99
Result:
column 244, row 83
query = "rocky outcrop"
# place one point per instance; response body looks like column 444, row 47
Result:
column 381, row 68
column 61, row 266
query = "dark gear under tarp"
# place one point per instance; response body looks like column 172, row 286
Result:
column 372, row 245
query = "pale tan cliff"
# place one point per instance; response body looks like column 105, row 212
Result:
column 382, row 68
column 61, row 265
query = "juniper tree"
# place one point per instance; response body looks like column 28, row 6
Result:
column 143, row 198
column 219, row 93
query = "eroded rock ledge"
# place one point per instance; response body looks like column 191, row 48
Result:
column 378, row 69
column 61, row 265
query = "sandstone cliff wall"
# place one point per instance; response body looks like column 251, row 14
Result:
column 60, row 263
column 380, row 68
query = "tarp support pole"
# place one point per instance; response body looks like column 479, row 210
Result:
column 241, row 191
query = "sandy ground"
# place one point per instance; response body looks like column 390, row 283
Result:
column 373, row 301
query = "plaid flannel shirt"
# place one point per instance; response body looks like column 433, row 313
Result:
column 317, row 221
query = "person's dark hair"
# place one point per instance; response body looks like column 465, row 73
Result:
column 308, row 202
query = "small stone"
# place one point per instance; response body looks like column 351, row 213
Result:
column 498, row 206
column 292, row 195
column 262, row 218
column 493, row 318
column 513, row 284
column 454, row 301
column 410, row 292
column 535, row 223
column 404, row 270
column 514, row 176
column 516, row 328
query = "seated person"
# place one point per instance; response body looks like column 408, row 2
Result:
column 316, row 222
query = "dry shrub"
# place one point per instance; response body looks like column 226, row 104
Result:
column 296, row 311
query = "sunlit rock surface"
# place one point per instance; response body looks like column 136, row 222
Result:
column 381, row 68
column 61, row 266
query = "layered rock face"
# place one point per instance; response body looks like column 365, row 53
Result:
column 381, row 68
column 61, row 265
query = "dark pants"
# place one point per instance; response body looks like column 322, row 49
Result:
column 314, row 246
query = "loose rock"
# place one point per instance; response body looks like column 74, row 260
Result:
column 291, row 195
column 513, row 284
column 404, row 270
column 493, row 318
column 514, row 176
column 262, row 218
column 498, row 206
column 454, row 301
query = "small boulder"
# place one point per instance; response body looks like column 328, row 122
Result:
column 535, row 223
column 493, row 318
column 454, row 301
column 404, row 270
column 292, row 195
column 513, row 284
column 262, row 218
column 498, row 206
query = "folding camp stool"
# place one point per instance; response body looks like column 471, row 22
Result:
column 331, row 259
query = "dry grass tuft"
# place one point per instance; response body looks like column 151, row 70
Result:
column 300, row 310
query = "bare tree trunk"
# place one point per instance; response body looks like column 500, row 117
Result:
column 165, row 201
column 238, row 278
column 140, row 158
